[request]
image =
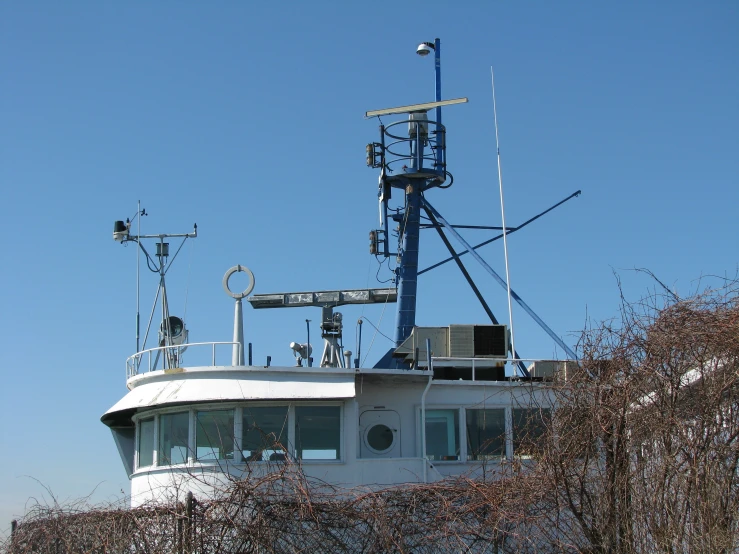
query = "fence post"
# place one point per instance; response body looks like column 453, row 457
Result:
column 179, row 531
column 188, row 523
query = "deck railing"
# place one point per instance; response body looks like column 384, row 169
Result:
column 171, row 356
column 474, row 364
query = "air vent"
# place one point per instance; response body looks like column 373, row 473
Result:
column 462, row 341
column 491, row 340
column 478, row 341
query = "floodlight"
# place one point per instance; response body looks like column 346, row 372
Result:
column 425, row 48
column 301, row 350
column 172, row 331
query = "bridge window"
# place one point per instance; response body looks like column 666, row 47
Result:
column 318, row 432
column 146, row 442
column 529, row 426
column 173, row 438
column 486, row 436
column 264, row 433
column 214, row 435
column 442, row 435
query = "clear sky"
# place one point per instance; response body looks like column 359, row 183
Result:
column 247, row 118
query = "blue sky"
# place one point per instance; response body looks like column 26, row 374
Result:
column 247, row 118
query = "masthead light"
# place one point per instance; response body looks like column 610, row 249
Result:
column 425, row 48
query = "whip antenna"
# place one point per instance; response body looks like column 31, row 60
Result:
column 502, row 212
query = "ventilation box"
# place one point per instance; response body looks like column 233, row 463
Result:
column 455, row 341
column 478, row 341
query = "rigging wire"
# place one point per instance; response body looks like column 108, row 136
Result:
column 510, row 231
column 379, row 267
column 169, row 265
column 376, row 331
column 187, row 282
column 151, row 316
column 149, row 259
column 361, row 315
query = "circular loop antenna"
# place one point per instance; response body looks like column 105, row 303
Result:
column 227, row 276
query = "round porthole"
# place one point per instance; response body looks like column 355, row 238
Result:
column 380, row 438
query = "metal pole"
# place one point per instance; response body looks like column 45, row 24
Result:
column 423, row 411
column 237, row 357
column 500, row 281
column 308, row 350
column 439, row 134
column 359, row 345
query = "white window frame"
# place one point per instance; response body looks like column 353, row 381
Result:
column 137, row 419
column 535, row 407
column 290, row 427
column 461, row 423
column 238, row 410
column 292, row 420
column 192, row 458
column 190, row 442
column 508, row 431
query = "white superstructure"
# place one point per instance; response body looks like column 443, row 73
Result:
column 188, row 428
column 437, row 404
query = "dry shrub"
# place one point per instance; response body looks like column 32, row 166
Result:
column 641, row 455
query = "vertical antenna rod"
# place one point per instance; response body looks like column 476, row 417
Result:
column 502, row 212
column 138, row 277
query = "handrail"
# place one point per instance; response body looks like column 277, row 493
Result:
column 500, row 359
column 493, row 360
column 427, row 133
column 133, row 363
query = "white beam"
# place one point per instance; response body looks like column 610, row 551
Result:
column 415, row 107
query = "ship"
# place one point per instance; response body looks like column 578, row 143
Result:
column 442, row 402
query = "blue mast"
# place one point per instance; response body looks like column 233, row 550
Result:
column 407, row 271
column 414, row 160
